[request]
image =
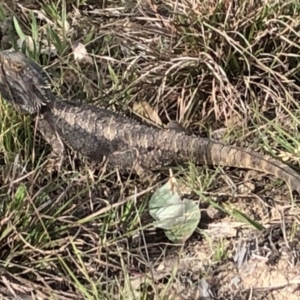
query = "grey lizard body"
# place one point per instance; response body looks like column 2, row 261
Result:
column 98, row 133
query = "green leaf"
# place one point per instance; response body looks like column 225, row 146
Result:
column 20, row 193
column 178, row 217
column 18, row 29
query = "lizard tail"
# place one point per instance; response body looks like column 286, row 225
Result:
column 214, row 153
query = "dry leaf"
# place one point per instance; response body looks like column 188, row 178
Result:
column 80, row 53
column 145, row 110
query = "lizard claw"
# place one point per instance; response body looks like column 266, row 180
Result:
column 147, row 176
column 54, row 163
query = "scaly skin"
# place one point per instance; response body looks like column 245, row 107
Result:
column 102, row 134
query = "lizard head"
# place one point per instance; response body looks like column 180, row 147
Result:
column 23, row 83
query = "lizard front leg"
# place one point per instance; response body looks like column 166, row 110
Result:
column 49, row 134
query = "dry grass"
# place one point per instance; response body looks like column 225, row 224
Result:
column 222, row 69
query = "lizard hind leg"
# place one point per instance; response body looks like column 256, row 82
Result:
column 132, row 160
